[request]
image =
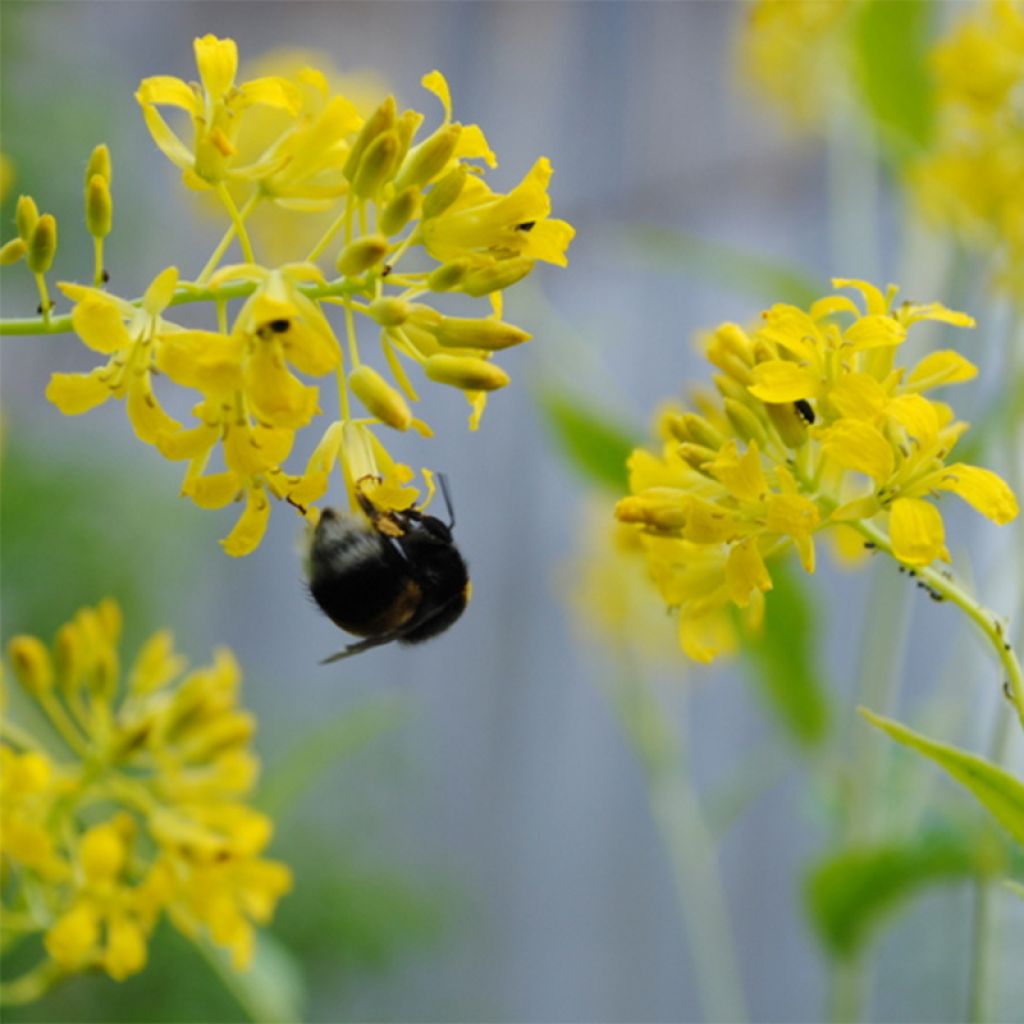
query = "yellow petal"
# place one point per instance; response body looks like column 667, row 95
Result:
column 126, row 948
column 188, row 444
column 857, row 445
column 983, row 490
column 911, row 314
column 145, row 413
column 277, row 396
column 160, row 292
column 874, row 332
column 779, row 380
column 169, row 144
column 252, row 450
column 273, row 92
column 168, row 91
column 205, row 360
column 75, row 393
column 791, row 515
column 745, row 571
column 917, row 416
column 703, row 637
column 873, row 298
column 741, row 475
column 436, row 83
column 250, row 528
column 918, row 536
column 858, row 396
column 213, row 491
column 473, row 145
column 97, row 321
column 217, row 60
column 939, row 368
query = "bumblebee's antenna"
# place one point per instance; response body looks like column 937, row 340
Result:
column 446, row 494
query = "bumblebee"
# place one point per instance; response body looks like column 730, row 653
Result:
column 387, row 576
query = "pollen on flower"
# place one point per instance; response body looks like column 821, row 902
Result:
column 165, row 754
column 749, row 475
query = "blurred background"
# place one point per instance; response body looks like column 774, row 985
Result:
column 472, row 839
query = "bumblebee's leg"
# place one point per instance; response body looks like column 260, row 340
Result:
column 364, row 645
column 442, row 479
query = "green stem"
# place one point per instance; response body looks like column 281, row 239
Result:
column 691, row 847
column 44, row 299
column 222, row 246
column 98, row 269
column 31, row 986
column 238, row 221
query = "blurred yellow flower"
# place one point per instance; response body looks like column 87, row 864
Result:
column 814, row 426
column 142, row 813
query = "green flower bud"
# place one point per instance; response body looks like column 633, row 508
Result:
column 496, row 277
column 99, row 209
column 26, row 216
column 357, row 257
column 448, row 276
column 400, row 211
column 788, row 423
column 745, row 422
column 490, row 335
column 698, row 429
column 427, row 160
column 465, row 372
column 697, row 455
column 390, row 312
column 31, row 663
column 42, row 247
column 381, row 120
column 12, row 252
column 99, row 163
column 445, row 192
column 378, row 165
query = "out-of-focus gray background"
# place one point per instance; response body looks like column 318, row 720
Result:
column 508, row 786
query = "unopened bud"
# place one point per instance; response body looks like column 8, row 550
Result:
column 69, row 656
column 31, row 663
column 788, row 423
column 357, row 257
column 26, row 216
column 42, row 246
column 12, row 252
column 496, row 277
column 745, row 422
column 380, row 398
column 378, row 165
column 729, row 387
column 696, row 455
column 465, row 372
column 99, row 163
column 445, row 192
column 427, row 160
column 400, row 211
column 448, row 276
column 702, row 432
column 490, row 335
column 663, row 512
column 390, row 312
column 381, row 120
column 99, row 209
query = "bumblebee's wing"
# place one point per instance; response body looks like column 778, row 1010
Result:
column 364, row 645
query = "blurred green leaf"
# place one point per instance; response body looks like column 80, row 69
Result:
column 342, row 736
column 594, row 443
column 849, row 894
column 759, row 276
column 1014, row 887
column 891, row 43
column 785, row 660
column 996, row 789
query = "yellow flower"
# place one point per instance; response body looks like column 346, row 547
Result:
column 167, row 762
column 215, row 107
column 815, row 426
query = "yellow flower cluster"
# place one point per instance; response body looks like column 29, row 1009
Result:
column 972, row 180
column 814, row 426
column 142, row 812
column 788, row 50
column 395, row 197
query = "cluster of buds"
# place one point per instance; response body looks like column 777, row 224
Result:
column 141, row 811
column 813, row 425
column 394, row 200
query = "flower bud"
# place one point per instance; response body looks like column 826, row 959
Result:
column 357, row 257
column 69, row 657
column 490, row 335
column 380, row 398
column 99, row 163
column 787, row 422
column 381, row 120
column 400, row 211
column 99, row 210
column 42, row 247
column 696, row 455
column 445, row 192
column 12, row 252
column 496, row 277
column 427, row 160
column 390, row 312
column 745, row 422
column 31, row 663
column 26, row 216
column 465, row 372
column 378, row 165
column 729, row 387
column 448, row 276
column 702, row 432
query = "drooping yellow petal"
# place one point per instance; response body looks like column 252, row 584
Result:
column 188, row 444
column 857, row 445
column 741, row 474
column 917, row 416
column 167, row 141
column 145, row 413
column 204, row 360
column 779, row 380
column 940, row 368
column 213, row 491
column 277, row 396
column 792, row 515
column 858, row 396
column 873, row 298
column 745, row 571
column 911, row 314
column 983, row 490
column 247, row 533
column 97, row 321
column 252, row 450
column 917, row 533
column 75, row 393
column 436, row 83
column 168, row 91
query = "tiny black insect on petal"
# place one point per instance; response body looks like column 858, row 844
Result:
column 804, row 410
column 527, row 225
column 279, row 326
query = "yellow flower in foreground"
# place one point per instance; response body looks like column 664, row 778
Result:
column 815, row 426
column 142, row 812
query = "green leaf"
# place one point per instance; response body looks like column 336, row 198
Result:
column 596, row 444
column 784, row 658
column 272, row 990
column 339, row 737
column 1001, row 793
column 891, row 42
column 1014, row 887
column 849, row 894
column 761, row 277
